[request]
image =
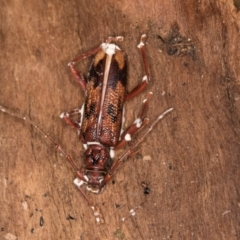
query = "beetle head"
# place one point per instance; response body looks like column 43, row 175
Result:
column 97, row 162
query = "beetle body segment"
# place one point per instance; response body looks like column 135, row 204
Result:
column 106, row 91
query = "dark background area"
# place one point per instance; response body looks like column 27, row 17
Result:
column 190, row 160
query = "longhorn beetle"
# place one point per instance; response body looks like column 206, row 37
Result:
column 102, row 116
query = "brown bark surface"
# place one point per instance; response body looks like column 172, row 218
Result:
column 190, row 160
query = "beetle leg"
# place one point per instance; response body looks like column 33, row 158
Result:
column 68, row 118
column 145, row 80
column 137, row 125
column 76, row 74
column 132, row 148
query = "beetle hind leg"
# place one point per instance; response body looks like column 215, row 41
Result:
column 138, row 124
column 76, row 74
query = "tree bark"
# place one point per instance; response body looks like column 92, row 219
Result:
column 191, row 158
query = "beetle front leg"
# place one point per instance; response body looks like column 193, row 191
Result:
column 145, row 80
column 76, row 74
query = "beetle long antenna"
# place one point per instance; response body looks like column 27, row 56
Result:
column 95, row 209
column 47, row 136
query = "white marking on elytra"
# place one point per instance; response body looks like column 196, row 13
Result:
column 104, row 87
column 109, row 48
column 127, row 137
column 85, row 145
column 138, row 122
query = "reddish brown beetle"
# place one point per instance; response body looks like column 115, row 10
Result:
column 102, row 116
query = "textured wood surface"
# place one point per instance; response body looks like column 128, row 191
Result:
column 190, row 160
